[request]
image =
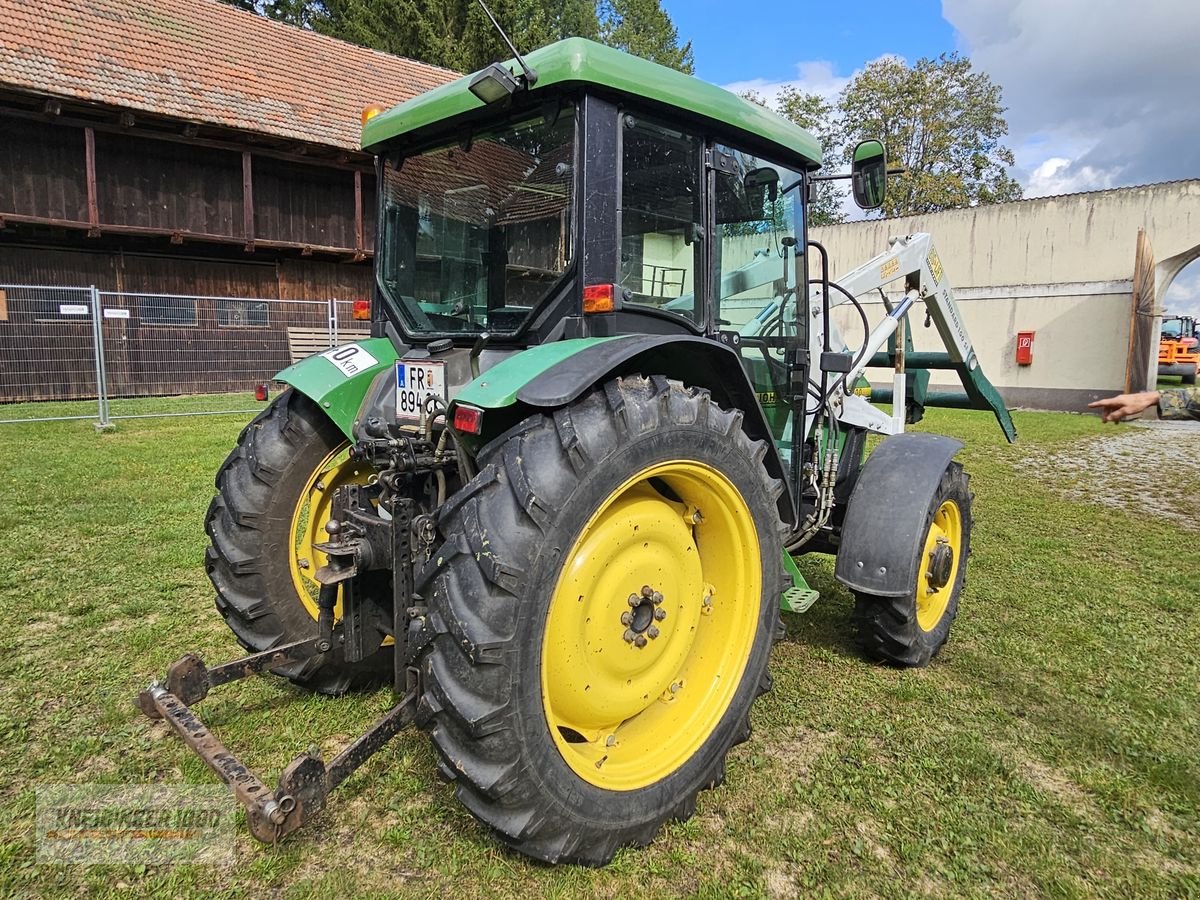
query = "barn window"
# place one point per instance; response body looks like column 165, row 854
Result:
column 163, row 309
column 242, row 313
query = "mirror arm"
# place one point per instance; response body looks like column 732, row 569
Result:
column 899, row 170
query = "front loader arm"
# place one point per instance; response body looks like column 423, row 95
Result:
column 915, row 259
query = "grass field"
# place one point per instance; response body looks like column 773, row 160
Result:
column 1051, row 749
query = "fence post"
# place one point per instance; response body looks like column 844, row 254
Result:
column 333, row 322
column 105, row 424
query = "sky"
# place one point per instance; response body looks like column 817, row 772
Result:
column 1099, row 93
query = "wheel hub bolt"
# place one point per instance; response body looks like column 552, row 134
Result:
column 941, row 566
column 645, row 609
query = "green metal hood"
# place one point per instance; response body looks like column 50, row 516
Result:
column 580, row 61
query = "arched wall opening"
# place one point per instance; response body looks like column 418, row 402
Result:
column 1178, row 291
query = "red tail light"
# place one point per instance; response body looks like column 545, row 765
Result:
column 362, row 309
column 468, row 419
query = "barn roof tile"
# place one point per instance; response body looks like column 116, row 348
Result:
column 203, row 61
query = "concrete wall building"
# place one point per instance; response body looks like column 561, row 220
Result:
column 1062, row 267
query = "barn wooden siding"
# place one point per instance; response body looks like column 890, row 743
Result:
column 101, row 180
column 135, row 211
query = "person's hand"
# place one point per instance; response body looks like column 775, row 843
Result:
column 1122, row 406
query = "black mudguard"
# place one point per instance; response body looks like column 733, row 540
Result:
column 696, row 361
column 885, row 522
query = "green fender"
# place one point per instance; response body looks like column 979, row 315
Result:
column 549, row 376
column 338, row 379
column 498, row 386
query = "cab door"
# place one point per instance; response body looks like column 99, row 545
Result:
column 758, row 271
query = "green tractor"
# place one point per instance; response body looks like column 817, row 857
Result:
column 556, row 498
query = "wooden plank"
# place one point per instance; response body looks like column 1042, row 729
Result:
column 1143, row 309
column 185, row 236
column 89, row 162
column 247, row 198
column 358, row 212
column 304, row 342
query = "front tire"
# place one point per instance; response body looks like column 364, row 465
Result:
column 273, row 497
column 910, row 630
column 600, row 618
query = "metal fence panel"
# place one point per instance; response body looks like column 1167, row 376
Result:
column 47, row 353
column 78, row 352
column 214, row 351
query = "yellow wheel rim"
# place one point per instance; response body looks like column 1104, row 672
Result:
column 651, row 624
column 939, row 564
column 311, row 514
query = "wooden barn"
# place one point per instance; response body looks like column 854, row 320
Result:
column 184, row 147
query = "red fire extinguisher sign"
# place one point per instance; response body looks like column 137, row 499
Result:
column 1024, row 348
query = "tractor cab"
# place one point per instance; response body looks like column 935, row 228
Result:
column 575, row 206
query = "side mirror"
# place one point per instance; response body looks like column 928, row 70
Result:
column 756, row 179
column 868, row 174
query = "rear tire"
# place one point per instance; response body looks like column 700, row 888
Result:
column 252, row 557
column 911, row 629
column 566, row 735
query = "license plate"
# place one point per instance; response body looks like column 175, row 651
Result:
column 415, row 383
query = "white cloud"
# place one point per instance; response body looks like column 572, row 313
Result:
column 812, row 76
column 1100, row 93
column 1059, row 175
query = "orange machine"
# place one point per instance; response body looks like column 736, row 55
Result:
column 1177, row 347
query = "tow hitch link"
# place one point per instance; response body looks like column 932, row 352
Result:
column 359, row 539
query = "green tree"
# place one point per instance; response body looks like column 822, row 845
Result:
column 814, row 112
column 643, row 28
column 457, row 34
column 451, row 33
column 941, row 121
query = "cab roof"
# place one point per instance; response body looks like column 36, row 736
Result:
column 580, row 61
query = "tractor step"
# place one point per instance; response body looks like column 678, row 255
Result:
column 799, row 597
column 306, row 782
column 798, row 600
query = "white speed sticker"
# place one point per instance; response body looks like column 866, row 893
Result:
column 351, row 359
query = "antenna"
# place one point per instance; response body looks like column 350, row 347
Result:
column 530, row 74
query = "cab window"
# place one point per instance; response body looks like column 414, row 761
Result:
column 660, row 212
